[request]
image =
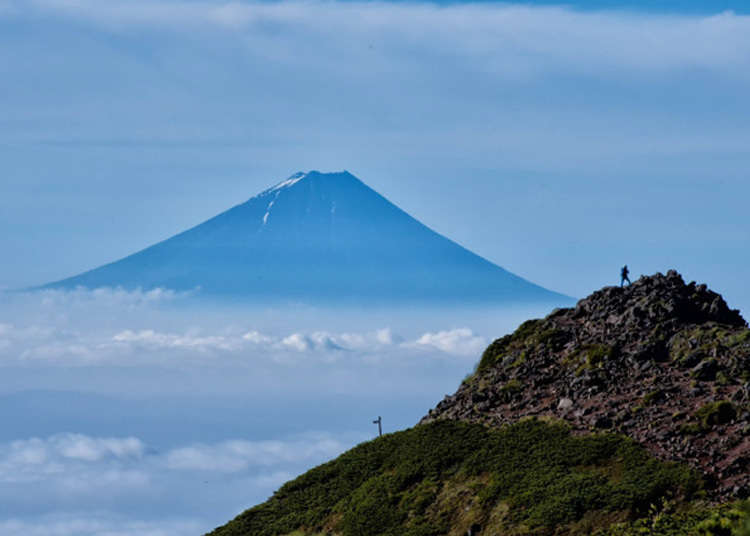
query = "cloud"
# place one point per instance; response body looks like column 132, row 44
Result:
column 237, row 455
column 461, row 341
column 270, row 368
column 76, row 446
column 458, row 341
column 85, row 328
column 52, row 344
column 317, row 341
column 67, row 455
column 300, row 342
column 515, row 41
column 385, row 336
column 257, row 337
column 154, row 339
column 43, row 342
column 97, row 524
column 154, row 350
column 105, row 297
column 54, row 477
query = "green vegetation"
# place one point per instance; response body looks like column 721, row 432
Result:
column 596, row 354
column 510, row 388
column 527, row 329
column 590, row 357
column 720, row 412
column 722, row 350
column 710, row 415
column 653, row 397
column 529, row 336
column 726, row 520
column 743, row 337
column 440, row 478
column 691, row 428
column 702, row 341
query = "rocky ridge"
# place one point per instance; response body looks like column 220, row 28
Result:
column 664, row 362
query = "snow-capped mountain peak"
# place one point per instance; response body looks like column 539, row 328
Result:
column 317, row 237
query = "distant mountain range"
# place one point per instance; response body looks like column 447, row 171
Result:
column 319, row 237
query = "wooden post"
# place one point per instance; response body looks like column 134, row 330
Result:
column 379, row 422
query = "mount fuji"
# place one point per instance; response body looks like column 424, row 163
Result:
column 318, row 237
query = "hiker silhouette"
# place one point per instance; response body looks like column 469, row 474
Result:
column 624, row 275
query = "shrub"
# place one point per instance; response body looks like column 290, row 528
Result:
column 724, row 520
column 713, row 413
column 392, row 486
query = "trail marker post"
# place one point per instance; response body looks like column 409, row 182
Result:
column 379, row 422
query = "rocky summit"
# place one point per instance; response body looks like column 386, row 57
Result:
column 661, row 361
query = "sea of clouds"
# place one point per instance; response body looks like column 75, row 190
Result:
column 117, row 327
column 84, row 485
column 132, row 412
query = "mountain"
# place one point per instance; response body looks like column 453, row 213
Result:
column 316, row 236
column 628, row 414
column 665, row 362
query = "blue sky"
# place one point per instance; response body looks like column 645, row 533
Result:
column 559, row 142
column 701, row 7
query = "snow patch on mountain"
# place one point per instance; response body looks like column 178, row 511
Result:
column 291, row 181
column 268, row 208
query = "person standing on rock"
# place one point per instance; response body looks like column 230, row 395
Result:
column 624, row 275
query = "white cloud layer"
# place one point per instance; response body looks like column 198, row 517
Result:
column 138, row 351
column 61, row 473
column 76, row 462
column 66, row 329
column 65, row 454
column 154, row 339
column 494, row 36
column 107, row 297
column 50, row 345
column 237, row 455
column 461, row 341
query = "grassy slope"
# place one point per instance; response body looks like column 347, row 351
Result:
column 441, row 478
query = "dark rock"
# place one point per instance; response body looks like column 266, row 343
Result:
column 630, row 359
column 693, row 359
column 478, row 397
column 705, row 370
column 601, row 422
